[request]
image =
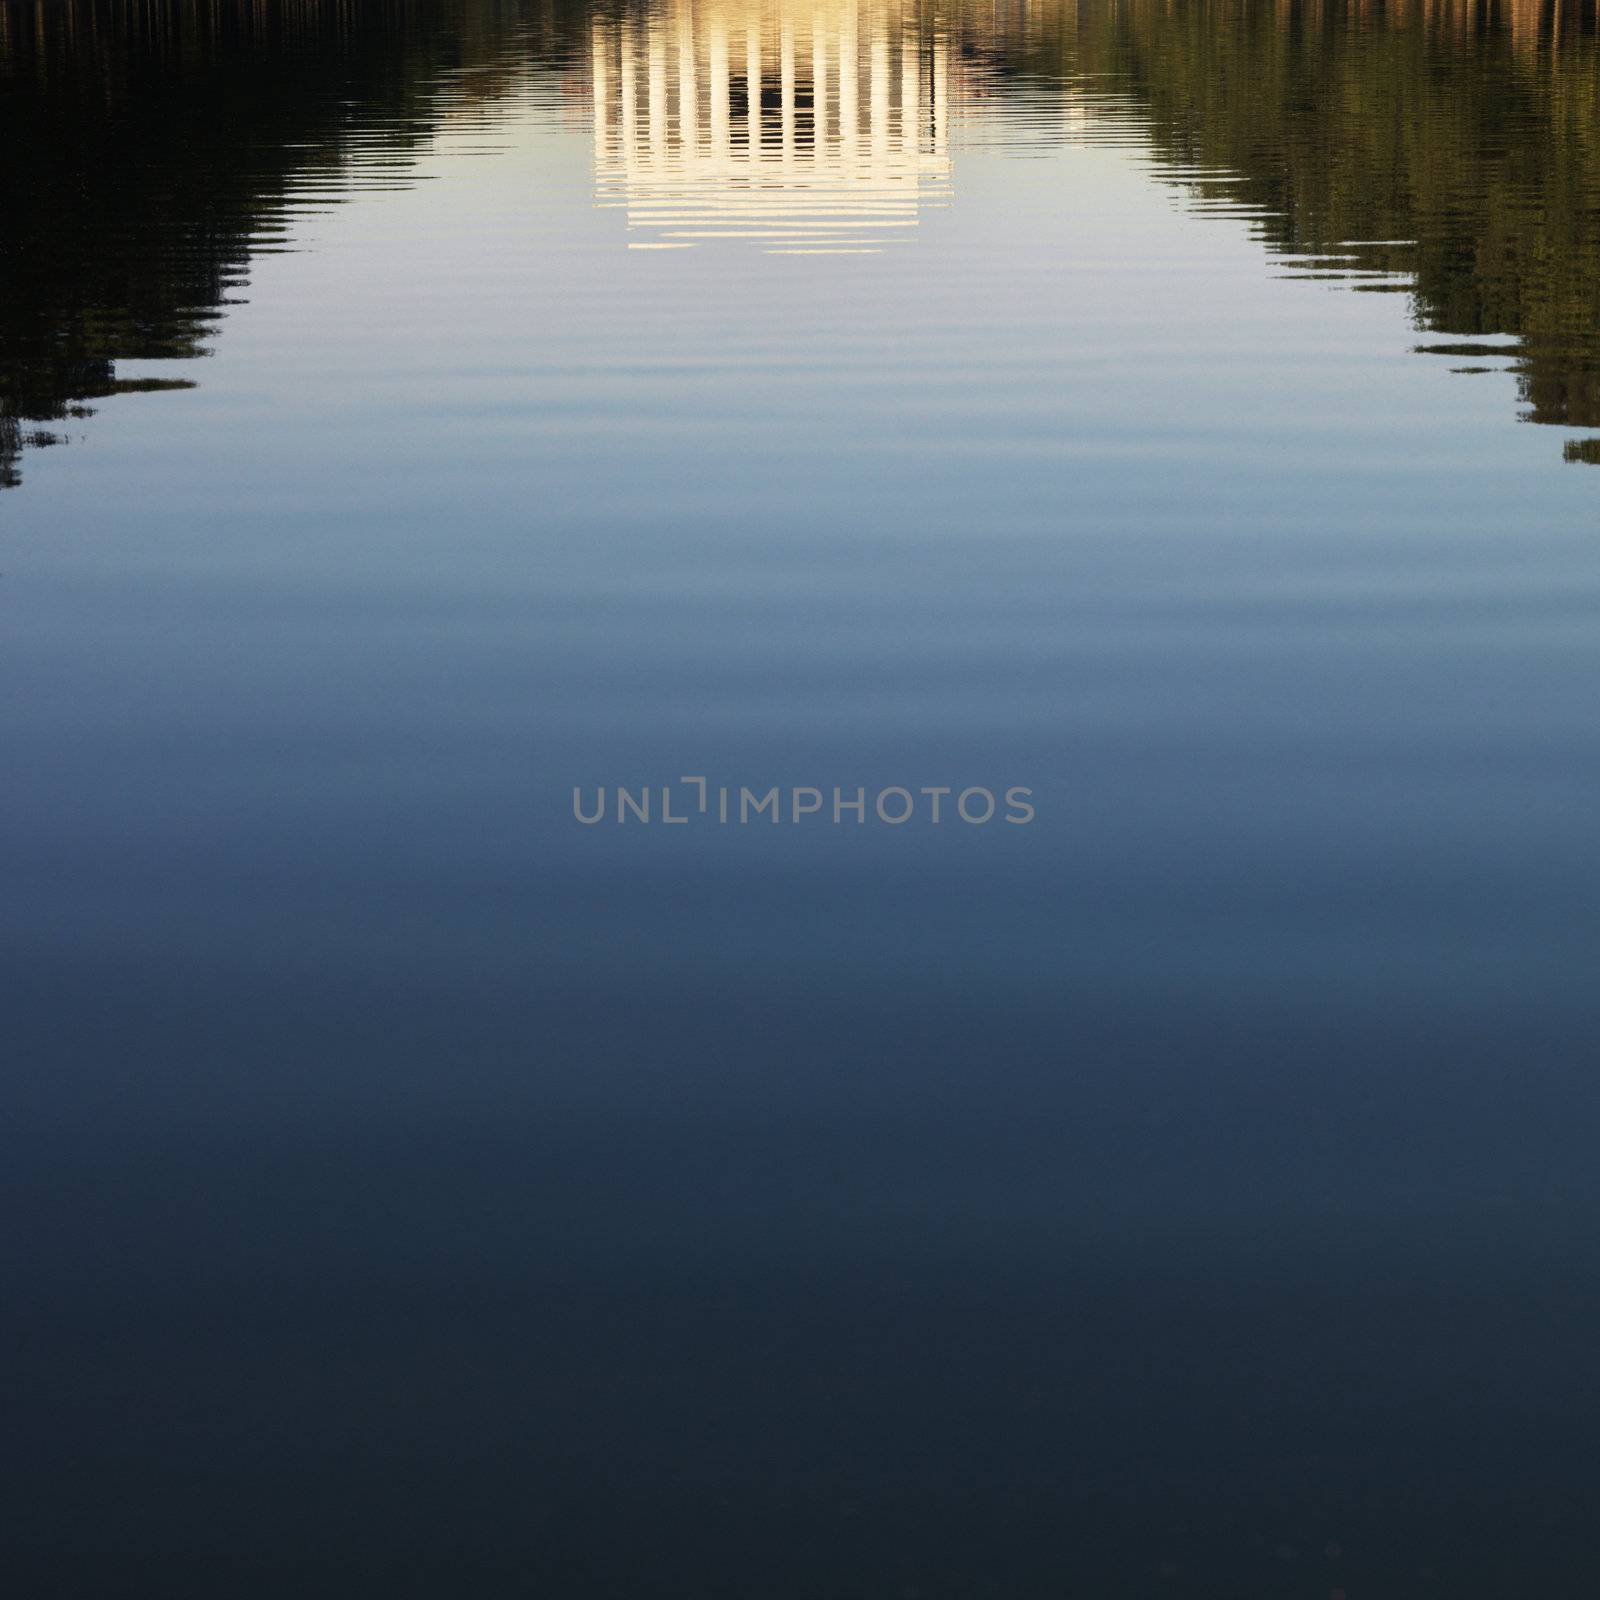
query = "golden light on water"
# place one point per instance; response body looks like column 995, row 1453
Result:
column 804, row 129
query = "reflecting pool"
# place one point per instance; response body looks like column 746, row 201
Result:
column 528, row 531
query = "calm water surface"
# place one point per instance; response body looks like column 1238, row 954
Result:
column 1183, row 410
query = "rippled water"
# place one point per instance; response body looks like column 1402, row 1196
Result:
column 412, row 413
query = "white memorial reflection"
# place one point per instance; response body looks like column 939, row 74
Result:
column 808, row 129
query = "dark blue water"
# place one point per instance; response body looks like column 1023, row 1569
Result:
column 411, row 1190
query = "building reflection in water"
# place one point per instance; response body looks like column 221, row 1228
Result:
column 806, row 129
column 1443, row 150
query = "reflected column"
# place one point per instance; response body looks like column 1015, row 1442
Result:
column 600, row 89
column 786, row 81
column 721, row 91
column 628, row 93
column 819, row 81
column 752, row 81
column 878, row 106
column 688, row 82
column 849, row 78
column 910, row 89
column 657, row 90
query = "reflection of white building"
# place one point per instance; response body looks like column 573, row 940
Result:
column 808, row 128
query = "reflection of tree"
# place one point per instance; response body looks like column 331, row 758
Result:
column 1470, row 132
column 154, row 146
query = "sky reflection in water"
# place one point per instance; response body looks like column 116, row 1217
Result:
column 1191, row 1192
